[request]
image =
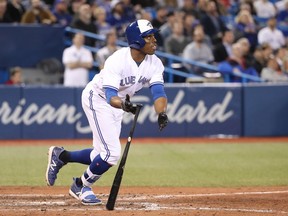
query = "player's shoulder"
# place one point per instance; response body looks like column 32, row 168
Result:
column 119, row 55
column 122, row 51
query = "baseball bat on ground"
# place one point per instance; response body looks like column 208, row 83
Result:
column 118, row 177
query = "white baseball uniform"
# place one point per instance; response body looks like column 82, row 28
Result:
column 121, row 73
column 77, row 77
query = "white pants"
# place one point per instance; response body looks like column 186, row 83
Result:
column 105, row 122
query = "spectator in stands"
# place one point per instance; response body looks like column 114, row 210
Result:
column 273, row 73
column 37, row 14
column 198, row 51
column 161, row 15
column 271, row 35
column 264, row 9
column 212, row 23
column 15, row 76
column 244, row 5
column 258, row 62
column 128, row 10
column 281, row 56
column 100, row 15
column 234, row 67
column 157, row 22
column 60, row 11
column 166, row 28
column 177, row 41
column 117, row 18
column 189, row 8
column 108, row 49
column 74, row 7
column 223, row 50
column 77, row 61
column 221, row 8
column 246, row 48
column 201, row 6
column 143, row 13
column 280, row 5
column 106, row 4
column 84, row 22
column 16, row 10
column 175, row 44
column 145, row 3
column 282, row 16
column 4, row 14
column 49, row 3
column 189, row 21
column 246, row 27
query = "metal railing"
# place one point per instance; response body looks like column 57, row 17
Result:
column 169, row 61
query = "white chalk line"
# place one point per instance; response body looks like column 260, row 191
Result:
column 35, row 203
column 219, row 194
column 164, row 196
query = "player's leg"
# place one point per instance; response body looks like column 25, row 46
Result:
column 54, row 164
column 81, row 156
column 105, row 123
column 58, row 157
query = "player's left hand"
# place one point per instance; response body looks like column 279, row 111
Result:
column 162, row 120
column 127, row 106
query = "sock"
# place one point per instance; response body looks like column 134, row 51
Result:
column 94, row 171
column 79, row 182
column 82, row 156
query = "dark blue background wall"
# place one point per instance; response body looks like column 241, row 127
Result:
column 26, row 45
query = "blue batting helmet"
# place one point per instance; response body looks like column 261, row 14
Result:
column 136, row 31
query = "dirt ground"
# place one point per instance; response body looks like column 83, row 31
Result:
column 139, row 201
column 134, row 201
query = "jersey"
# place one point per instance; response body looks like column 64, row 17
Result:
column 122, row 73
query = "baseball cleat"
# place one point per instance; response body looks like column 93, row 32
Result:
column 84, row 194
column 54, row 164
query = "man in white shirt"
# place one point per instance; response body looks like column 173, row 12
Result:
column 77, row 60
column 264, row 8
column 271, row 35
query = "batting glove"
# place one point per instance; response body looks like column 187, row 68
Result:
column 162, row 120
column 127, row 106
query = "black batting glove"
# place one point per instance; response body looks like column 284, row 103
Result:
column 162, row 120
column 127, row 106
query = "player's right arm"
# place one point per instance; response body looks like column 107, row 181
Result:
column 114, row 100
column 112, row 97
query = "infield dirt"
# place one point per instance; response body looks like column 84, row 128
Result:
column 139, row 201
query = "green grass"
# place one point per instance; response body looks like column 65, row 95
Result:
column 186, row 165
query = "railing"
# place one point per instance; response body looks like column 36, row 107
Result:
column 169, row 61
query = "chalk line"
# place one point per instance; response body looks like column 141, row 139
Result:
column 163, row 196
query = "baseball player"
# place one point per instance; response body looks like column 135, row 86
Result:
column 104, row 101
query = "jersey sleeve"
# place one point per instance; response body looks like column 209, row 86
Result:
column 157, row 77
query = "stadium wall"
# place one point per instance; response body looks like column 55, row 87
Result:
column 194, row 110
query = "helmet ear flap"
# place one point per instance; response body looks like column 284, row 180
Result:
column 136, row 45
